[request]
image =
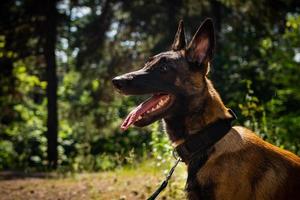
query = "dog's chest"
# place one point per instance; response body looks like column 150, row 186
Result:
column 197, row 189
column 206, row 177
column 206, row 173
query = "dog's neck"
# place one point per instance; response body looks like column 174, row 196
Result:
column 205, row 108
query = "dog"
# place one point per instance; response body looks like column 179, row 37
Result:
column 223, row 161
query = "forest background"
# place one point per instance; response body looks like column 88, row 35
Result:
column 57, row 58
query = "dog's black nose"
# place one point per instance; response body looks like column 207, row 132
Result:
column 119, row 82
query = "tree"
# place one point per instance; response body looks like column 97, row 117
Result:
column 50, row 58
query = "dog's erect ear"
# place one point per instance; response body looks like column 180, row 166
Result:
column 202, row 45
column 179, row 41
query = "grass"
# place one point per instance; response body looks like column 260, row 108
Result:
column 131, row 182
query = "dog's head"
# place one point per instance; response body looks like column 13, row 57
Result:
column 173, row 78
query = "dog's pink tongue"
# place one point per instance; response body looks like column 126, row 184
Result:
column 139, row 110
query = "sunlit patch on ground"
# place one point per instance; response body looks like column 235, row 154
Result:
column 127, row 183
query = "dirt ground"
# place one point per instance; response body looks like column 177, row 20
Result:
column 121, row 184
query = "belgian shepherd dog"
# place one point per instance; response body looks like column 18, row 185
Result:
column 223, row 161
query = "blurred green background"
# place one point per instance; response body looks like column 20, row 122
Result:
column 57, row 59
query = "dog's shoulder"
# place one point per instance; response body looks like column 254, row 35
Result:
column 251, row 140
column 243, row 160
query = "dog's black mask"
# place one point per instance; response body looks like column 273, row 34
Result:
column 157, row 77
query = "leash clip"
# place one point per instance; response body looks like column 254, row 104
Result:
column 175, row 155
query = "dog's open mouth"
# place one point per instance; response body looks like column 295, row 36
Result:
column 152, row 108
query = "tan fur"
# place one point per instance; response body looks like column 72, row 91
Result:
column 242, row 166
column 237, row 159
column 242, row 161
column 213, row 109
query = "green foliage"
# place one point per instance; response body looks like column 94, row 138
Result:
column 161, row 148
column 256, row 70
column 273, row 118
column 24, row 138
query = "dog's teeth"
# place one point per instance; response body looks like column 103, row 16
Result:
column 158, row 105
column 166, row 98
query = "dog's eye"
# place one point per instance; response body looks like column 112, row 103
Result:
column 164, row 68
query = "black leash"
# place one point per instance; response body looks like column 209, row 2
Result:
column 165, row 182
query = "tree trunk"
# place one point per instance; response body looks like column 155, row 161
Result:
column 216, row 13
column 49, row 52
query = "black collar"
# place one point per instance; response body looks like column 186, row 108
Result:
column 201, row 141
